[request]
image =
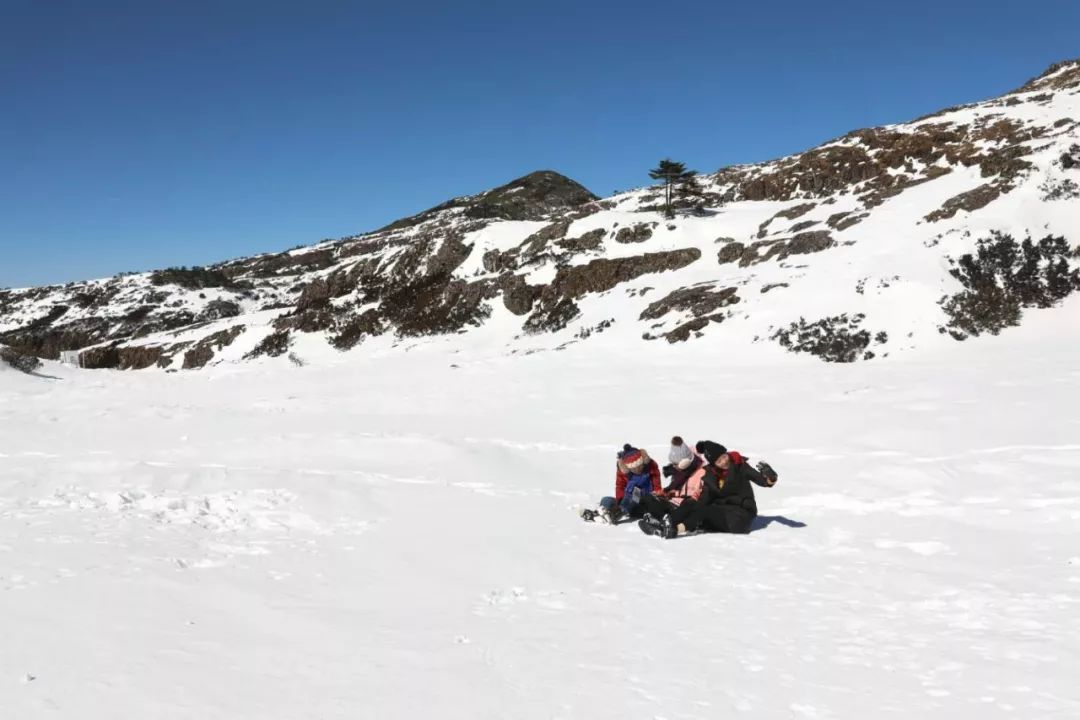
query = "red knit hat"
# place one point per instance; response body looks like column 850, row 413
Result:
column 631, row 456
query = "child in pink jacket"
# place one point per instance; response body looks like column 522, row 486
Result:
column 686, row 470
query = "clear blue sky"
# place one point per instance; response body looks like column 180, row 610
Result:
column 147, row 133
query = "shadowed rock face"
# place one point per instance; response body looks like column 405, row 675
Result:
column 20, row 361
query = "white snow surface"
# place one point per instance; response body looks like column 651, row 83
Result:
column 394, row 536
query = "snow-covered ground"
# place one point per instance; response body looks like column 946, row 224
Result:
column 391, row 536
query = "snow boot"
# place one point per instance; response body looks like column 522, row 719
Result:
column 663, row 529
column 649, row 528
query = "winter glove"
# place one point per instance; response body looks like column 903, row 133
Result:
column 669, row 470
column 766, row 470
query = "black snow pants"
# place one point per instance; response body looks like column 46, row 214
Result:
column 712, row 517
column 655, row 506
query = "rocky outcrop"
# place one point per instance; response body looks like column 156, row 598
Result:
column 971, row 200
column 730, row 252
column 279, row 264
column 556, row 307
column 766, row 250
column 353, row 330
column 789, row 214
column 47, row 341
column 196, row 278
column 19, row 360
column 590, row 241
column 699, row 301
column 519, row 296
column 218, row 310
column 636, row 233
column 702, row 302
column 886, row 161
column 203, row 351
column 843, row 220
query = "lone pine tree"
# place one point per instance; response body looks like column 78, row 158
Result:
column 674, row 174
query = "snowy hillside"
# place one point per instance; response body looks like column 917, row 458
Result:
column 843, row 251
column 375, row 515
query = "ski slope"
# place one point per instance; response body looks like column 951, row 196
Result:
column 392, row 536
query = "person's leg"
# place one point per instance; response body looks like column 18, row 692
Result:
column 637, row 511
column 656, row 507
column 609, row 509
column 726, row 519
column 684, row 518
column 695, row 518
column 739, row 520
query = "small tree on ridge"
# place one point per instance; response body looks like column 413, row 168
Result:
column 673, row 174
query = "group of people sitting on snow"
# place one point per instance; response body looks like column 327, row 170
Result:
column 710, row 489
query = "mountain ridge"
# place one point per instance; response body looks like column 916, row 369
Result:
column 555, row 254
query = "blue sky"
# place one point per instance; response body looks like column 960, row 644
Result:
column 144, row 134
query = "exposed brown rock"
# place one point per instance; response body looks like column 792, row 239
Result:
column 683, row 332
column 218, row 310
column 701, row 300
column 639, row 232
column 602, row 274
column 203, row 351
column 556, row 316
column 47, row 341
column 102, row 357
column 592, row 240
column 731, row 252
column 19, row 360
column 556, row 307
column 518, row 296
column 780, row 249
column 971, row 200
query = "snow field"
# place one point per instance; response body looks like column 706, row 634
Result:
column 394, row 537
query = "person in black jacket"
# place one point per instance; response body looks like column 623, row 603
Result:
column 727, row 502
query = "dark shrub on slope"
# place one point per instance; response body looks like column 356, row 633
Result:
column 839, row 338
column 1002, row 277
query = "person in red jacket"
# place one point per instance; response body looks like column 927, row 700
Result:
column 636, row 475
